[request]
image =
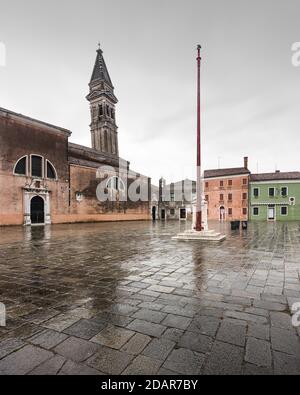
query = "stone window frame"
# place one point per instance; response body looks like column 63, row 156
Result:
column 46, row 170
column 28, row 172
column 43, row 166
column 27, row 167
column 287, row 211
column 253, row 211
column 258, row 189
column 287, row 191
column 269, row 189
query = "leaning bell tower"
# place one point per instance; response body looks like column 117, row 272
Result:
column 104, row 131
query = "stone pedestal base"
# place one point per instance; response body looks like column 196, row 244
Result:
column 204, row 235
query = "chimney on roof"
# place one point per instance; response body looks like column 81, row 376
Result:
column 277, row 171
column 246, row 162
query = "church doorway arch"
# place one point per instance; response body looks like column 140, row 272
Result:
column 37, row 210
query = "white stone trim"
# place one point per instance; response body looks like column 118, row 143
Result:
column 253, row 183
column 252, row 192
column 255, row 215
column 46, row 170
column 43, row 166
column 287, row 211
column 274, row 195
column 27, row 167
column 287, row 191
column 228, row 177
column 27, row 196
column 253, row 204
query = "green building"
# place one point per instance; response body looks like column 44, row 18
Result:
column 275, row 196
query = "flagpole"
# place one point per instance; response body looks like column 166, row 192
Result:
column 198, row 226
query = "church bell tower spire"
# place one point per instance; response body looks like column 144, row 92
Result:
column 104, row 131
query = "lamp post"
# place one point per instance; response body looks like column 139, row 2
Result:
column 198, row 226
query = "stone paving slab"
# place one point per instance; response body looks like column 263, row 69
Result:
column 113, row 337
column 76, row 349
column 23, row 361
column 125, row 299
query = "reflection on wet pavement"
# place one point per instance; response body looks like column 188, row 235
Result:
column 123, row 297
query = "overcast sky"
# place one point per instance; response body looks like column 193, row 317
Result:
column 250, row 89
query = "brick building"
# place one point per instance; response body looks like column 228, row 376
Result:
column 46, row 179
column 226, row 192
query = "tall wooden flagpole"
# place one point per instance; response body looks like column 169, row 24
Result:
column 200, row 229
column 198, row 226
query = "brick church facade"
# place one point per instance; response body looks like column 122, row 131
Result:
column 46, row 179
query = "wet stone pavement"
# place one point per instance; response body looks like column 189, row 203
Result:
column 123, row 298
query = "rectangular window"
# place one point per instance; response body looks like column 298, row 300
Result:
column 206, row 198
column 221, row 183
column 206, row 185
column 36, row 166
column 284, row 210
column 271, row 192
column 256, row 192
column 172, row 196
column 245, row 211
column 172, row 211
column 284, row 191
column 221, row 197
column 182, row 213
column 230, row 211
column 230, row 183
column 244, row 196
column 230, row 197
column 255, row 210
column 245, row 181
